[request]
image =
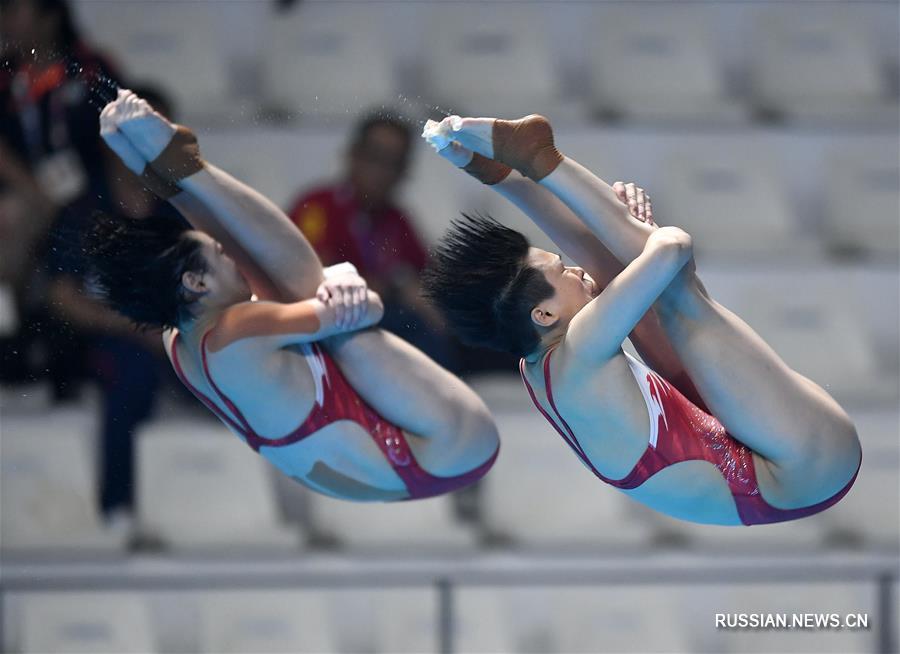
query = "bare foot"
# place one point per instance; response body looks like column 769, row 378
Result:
column 171, row 150
column 525, row 144
column 149, row 132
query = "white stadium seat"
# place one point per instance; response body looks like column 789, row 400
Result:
column 27, row 398
column 49, row 491
column 617, row 619
column 862, row 201
column 540, row 494
column 199, row 486
column 822, row 339
column 177, row 46
column 397, row 526
column 864, row 298
column 877, row 428
column 502, row 620
column 502, row 391
column 272, row 621
column 279, row 164
column 405, row 620
column 556, row 619
column 657, row 63
column 812, row 62
column 484, row 61
column 870, row 512
column 807, row 535
column 730, row 202
column 92, row 623
column 436, row 193
column 319, row 620
column 323, row 62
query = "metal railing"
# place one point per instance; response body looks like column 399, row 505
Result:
column 447, row 574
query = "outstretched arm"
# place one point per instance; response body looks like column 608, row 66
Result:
column 270, row 250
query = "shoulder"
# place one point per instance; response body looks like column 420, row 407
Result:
column 271, row 324
column 240, row 321
column 572, row 366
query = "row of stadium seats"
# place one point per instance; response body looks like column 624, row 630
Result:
column 645, row 61
column 758, row 195
column 201, row 489
column 521, row 619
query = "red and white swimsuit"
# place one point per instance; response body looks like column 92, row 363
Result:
column 336, row 400
column 681, row 431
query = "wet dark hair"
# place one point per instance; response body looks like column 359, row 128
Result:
column 480, row 281
column 135, row 267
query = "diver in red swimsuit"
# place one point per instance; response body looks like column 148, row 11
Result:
column 351, row 412
column 336, row 400
column 717, row 429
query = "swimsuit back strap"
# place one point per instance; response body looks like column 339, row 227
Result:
column 252, row 438
column 548, row 385
column 212, row 406
column 568, row 437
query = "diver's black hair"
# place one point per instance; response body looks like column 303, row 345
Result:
column 480, row 281
column 135, row 267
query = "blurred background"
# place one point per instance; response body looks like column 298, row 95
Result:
column 133, row 521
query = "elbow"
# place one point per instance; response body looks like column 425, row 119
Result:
column 674, row 244
column 678, row 240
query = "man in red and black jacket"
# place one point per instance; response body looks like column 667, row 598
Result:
column 51, row 158
column 356, row 219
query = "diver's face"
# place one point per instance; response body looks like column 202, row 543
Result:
column 223, row 282
column 573, row 289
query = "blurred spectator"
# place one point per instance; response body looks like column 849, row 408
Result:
column 46, row 84
column 50, row 155
column 356, row 219
column 90, row 342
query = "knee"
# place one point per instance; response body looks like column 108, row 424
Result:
column 486, row 431
column 476, row 427
column 845, row 443
column 835, row 446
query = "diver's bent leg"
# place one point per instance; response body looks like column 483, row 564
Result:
column 452, row 430
column 807, row 439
